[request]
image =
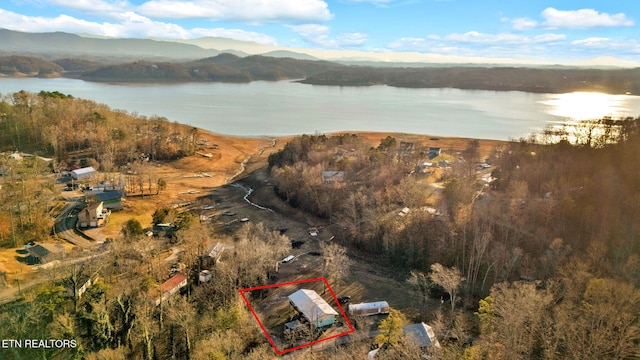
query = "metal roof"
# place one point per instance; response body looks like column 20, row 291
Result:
column 86, row 170
column 421, row 334
column 110, row 195
column 172, row 283
column 369, row 305
column 311, row 305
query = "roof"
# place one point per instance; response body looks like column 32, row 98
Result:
column 310, row 304
column 421, row 334
column 172, row 283
column 110, row 195
column 216, row 250
column 330, row 175
column 369, row 305
column 87, row 170
column 43, row 250
column 94, row 206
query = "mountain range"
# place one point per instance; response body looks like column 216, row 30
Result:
column 58, row 45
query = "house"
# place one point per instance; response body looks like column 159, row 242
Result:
column 83, row 173
column 93, row 215
column 421, row 335
column 433, row 152
column 367, row 309
column 171, row 286
column 44, row 253
column 111, row 199
column 313, row 307
column 329, row 176
column 84, row 282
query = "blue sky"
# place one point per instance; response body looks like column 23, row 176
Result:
column 549, row 31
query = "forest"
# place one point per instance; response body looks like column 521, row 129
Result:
column 613, row 81
column 528, row 251
column 231, row 68
column 545, row 259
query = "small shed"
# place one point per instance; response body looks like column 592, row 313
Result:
column 434, row 152
column 370, row 308
column 83, row 173
column 313, row 307
column 204, row 276
column 421, row 335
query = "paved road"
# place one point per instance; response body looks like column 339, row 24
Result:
column 65, row 227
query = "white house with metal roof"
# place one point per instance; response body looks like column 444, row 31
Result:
column 313, row 307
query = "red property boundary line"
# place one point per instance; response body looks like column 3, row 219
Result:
column 264, row 330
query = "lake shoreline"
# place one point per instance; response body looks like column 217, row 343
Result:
column 286, row 108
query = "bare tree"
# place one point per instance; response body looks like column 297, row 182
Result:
column 449, row 278
column 336, row 261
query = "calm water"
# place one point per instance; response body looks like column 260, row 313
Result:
column 286, row 108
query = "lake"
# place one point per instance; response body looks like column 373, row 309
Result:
column 288, row 108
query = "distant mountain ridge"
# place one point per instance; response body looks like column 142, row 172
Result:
column 58, row 45
column 67, row 45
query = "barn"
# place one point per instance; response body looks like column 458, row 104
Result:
column 367, row 309
column 83, row 174
column 313, row 307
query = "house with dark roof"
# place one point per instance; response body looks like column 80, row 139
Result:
column 44, row 253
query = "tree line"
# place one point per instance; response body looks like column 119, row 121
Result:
column 546, row 256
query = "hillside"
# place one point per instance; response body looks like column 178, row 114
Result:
column 617, row 81
column 69, row 45
column 223, row 68
column 28, row 66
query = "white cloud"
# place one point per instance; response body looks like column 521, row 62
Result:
column 603, row 43
column 253, row 11
column 351, row 39
column 319, row 35
column 582, row 19
column 522, row 24
column 593, row 42
column 102, row 7
column 129, row 25
column 502, row 38
column 236, row 34
column 313, row 33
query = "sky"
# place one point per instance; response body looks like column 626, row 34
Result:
column 527, row 30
